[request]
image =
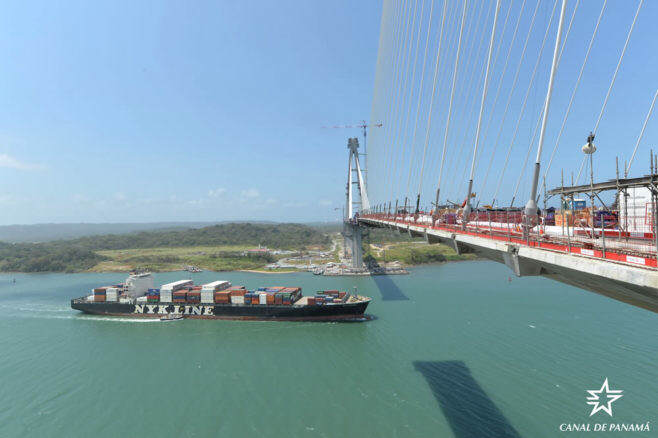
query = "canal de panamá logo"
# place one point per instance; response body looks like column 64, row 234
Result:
column 602, row 399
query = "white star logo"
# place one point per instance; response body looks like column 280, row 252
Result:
column 608, row 395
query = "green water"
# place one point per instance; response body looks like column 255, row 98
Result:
column 455, row 350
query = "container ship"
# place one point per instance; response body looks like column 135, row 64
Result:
column 218, row 300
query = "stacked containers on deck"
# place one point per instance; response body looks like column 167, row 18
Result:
column 100, row 294
column 222, row 297
column 194, row 295
column 153, row 295
column 237, row 294
column 330, row 296
column 209, row 290
column 167, row 290
column 180, row 296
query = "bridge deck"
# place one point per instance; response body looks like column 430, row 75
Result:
column 618, row 268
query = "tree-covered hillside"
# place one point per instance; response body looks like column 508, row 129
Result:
column 81, row 254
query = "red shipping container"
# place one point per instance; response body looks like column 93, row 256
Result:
column 237, row 292
column 270, row 299
column 341, row 294
column 278, row 299
column 310, row 301
column 99, row 298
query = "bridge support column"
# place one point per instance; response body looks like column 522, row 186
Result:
column 353, row 235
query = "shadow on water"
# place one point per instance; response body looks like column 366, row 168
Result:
column 389, row 290
column 466, row 406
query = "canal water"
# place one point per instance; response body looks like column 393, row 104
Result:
column 455, row 350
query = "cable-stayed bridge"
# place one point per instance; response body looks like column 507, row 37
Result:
column 469, row 91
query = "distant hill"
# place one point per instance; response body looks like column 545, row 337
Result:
column 81, row 254
column 49, row 232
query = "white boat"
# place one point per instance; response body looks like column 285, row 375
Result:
column 167, row 318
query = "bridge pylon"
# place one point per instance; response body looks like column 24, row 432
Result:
column 352, row 232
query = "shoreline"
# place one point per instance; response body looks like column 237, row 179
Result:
column 253, row 271
column 257, row 271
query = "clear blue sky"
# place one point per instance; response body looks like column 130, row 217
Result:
column 121, row 111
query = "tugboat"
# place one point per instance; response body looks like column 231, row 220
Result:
column 219, row 300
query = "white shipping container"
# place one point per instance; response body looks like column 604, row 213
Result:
column 90, row 298
column 176, row 285
column 207, row 297
column 216, row 286
column 165, row 297
column 111, row 296
column 141, row 299
column 635, row 211
column 238, row 299
column 262, row 298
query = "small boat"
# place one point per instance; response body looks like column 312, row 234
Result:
column 167, row 318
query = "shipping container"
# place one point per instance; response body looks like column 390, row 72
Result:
column 262, row 299
column 237, row 299
column 194, row 294
column 278, row 299
column 237, row 292
column 176, row 285
column 222, row 297
column 216, row 285
column 310, row 301
column 99, row 298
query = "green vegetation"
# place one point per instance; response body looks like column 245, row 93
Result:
column 282, row 236
column 417, row 253
column 387, row 246
column 47, row 232
column 29, row 257
column 170, row 259
column 219, row 247
column 383, row 235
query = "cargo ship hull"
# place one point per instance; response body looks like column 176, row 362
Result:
column 330, row 312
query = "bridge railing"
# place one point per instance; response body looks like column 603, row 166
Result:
column 598, row 239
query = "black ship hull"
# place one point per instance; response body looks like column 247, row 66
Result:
column 326, row 312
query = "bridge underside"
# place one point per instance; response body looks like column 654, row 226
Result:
column 634, row 285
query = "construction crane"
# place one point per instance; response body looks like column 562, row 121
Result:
column 364, row 126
